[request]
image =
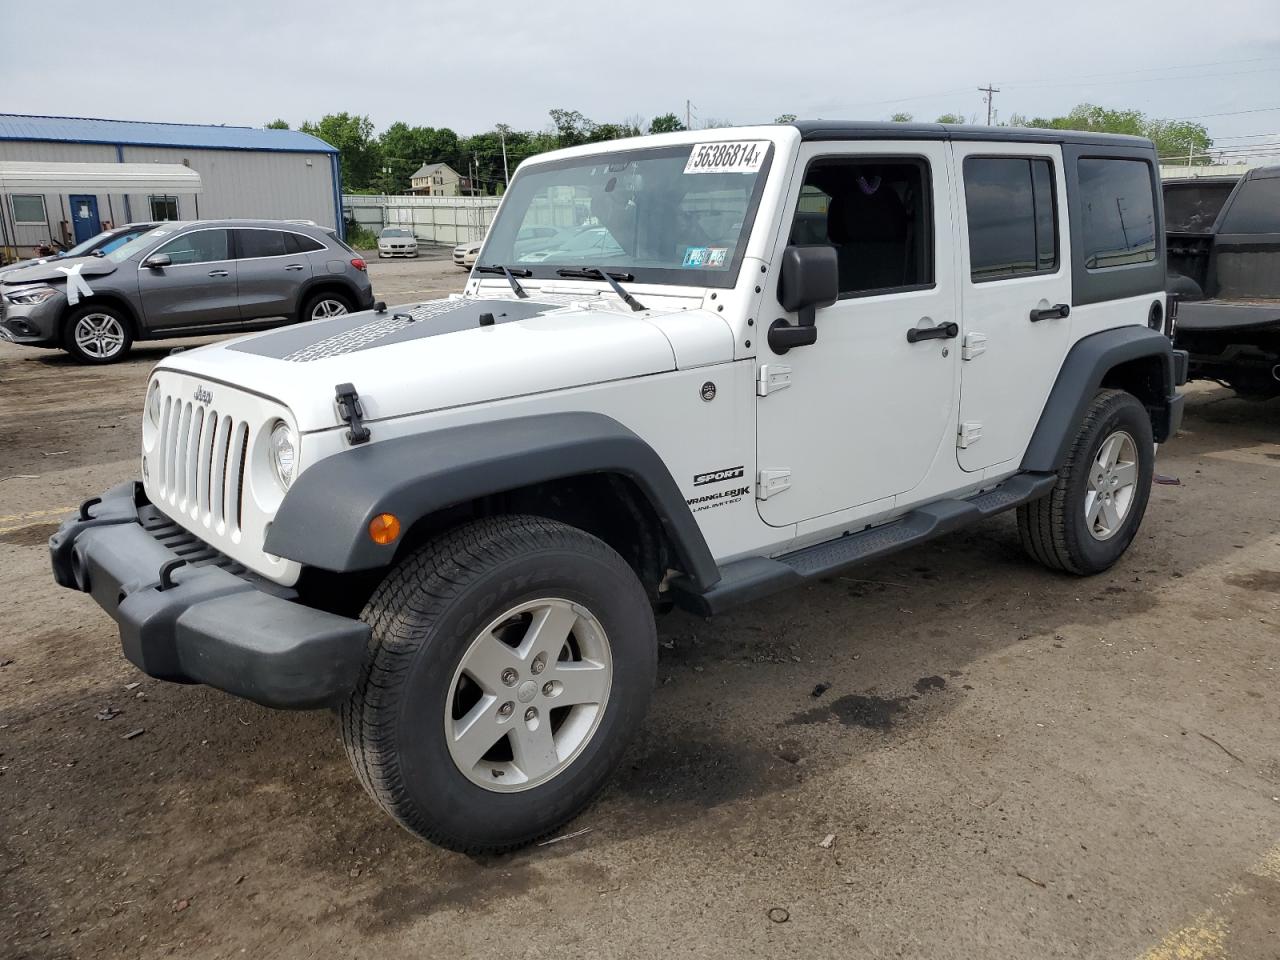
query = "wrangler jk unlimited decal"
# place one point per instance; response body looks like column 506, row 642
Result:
column 716, row 476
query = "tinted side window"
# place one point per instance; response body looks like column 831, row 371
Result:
column 259, row 243
column 1256, row 208
column 1118, row 212
column 877, row 215
column 299, row 244
column 1012, row 216
column 202, row 246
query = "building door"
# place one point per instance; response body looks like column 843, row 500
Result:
column 84, row 217
column 867, row 407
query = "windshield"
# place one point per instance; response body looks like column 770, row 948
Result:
column 678, row 215
column 138, row 244
column 88, row 246
column 396, row 232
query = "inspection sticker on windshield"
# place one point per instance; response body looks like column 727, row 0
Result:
column 734, row 156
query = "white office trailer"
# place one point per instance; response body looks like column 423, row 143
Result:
column 238, row 172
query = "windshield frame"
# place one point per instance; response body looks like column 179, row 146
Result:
column 663, row 276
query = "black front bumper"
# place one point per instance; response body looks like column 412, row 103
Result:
column 205, row 620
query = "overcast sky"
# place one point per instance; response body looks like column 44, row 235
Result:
column 470, row 66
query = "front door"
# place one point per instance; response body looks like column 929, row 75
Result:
column 1016, row 280
column 859, row 416
column 197, row 288
column 84, row 217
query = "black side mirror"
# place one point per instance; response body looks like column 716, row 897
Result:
column 810, row 279
column 156, row 261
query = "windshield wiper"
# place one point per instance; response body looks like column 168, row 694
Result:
column 595, row 273
column 509, row 274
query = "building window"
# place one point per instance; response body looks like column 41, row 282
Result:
column 164, row 208
column 29, row 208
column 1012, row 218
column 1117, row 198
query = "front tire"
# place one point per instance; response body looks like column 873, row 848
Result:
column 98, row 334
column 510, row 662
column 1085, row 524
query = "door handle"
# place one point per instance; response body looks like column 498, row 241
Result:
column 294, row 266
column 218, row 273
column 1056, row 312
column 943, row 331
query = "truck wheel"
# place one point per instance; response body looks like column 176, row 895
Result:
column 510, row 662
column 97, row 335
column 1093, row 512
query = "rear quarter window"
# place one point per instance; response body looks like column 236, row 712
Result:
column 1118, row 212
column 1194, row 207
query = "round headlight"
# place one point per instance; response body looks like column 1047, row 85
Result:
column 153, row 404
column 284, row 453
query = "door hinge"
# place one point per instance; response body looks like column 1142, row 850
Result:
column 975, row 345
column 770, row 482
column 970, row 433
column 773, row 377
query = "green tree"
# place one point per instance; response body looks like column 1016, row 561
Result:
column 951, row 118
column 358, row 152
column 901, row 118
column 667, row 123
column 785, row 118
column 572, row 128
column 1173, row 138
column 403, row 149
column 277, row 124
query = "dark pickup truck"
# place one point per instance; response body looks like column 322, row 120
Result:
column 1224, row 268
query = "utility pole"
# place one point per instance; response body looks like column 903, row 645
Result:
column 688, row 115
column 990, row 92
column 502, row 134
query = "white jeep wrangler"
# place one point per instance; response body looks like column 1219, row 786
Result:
column 739, row 360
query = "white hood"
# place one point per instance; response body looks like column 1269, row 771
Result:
column 455, row 352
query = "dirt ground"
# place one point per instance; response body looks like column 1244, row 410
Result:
column 1007, row 763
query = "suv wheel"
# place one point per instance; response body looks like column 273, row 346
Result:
column 97, row 334
column 510, row 662
column 1092, row 515
column 322, row 306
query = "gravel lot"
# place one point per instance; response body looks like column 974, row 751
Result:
column 1007, row 762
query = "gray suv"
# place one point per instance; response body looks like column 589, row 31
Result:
column 182, row 279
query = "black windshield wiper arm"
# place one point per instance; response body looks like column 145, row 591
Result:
column 595, row 273
column 509, row 274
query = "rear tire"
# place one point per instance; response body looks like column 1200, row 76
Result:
column 97, row 334
column 453, row 728
column 324, row 305
column 1085, row 524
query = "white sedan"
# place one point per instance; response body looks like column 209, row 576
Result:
column 397, row 242
column 464, row 254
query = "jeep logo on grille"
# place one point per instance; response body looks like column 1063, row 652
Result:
column 203, row 396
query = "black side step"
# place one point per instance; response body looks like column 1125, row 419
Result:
column 756, row 577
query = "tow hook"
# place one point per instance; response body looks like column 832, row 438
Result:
column 351, row 413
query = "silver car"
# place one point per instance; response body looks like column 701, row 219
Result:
column 182, row 279
column 397, row 242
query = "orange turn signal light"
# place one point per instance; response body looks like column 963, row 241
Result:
column 384, row 528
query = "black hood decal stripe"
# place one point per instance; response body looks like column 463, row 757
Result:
column 319, row 340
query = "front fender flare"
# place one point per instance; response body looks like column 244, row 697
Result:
column 324, row 518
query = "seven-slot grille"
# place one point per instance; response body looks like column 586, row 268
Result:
column 201, row 460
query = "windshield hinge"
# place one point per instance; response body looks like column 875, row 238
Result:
column 351, row 413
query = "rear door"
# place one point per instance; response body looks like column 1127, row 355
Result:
column 271, row 271
column 198, row 288
column 1016, row 295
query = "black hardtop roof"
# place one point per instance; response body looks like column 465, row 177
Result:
column 885, row 130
